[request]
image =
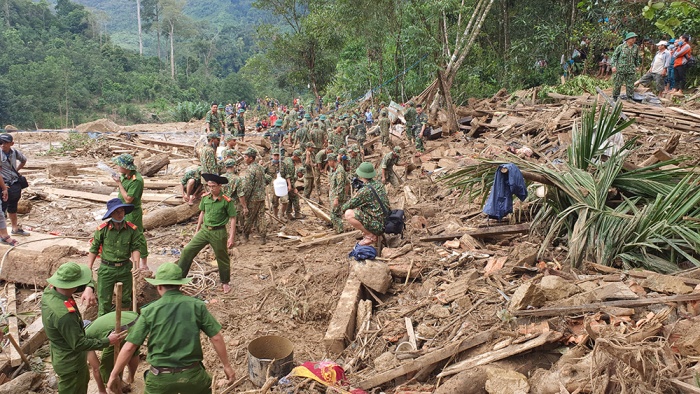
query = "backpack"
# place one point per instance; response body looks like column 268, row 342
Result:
column 394, row 220
column 691, row 61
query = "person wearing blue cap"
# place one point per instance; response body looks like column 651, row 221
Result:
column 118, row 243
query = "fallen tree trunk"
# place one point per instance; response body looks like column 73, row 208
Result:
column 154, row 166
column 169, row 215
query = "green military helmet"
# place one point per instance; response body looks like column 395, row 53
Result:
column 229, row 152
column 397, row 149
column 354, row 116
column 309, row 145
column 230, row 137
column 307, row 116
column 355, row 148
column 230, row 163
column 297, row 153
column 630, row 35
column 342, row 151
column 213, row 136
column 330, row 148
column 366, row 170
column 301, row 170
column 332, row 156
column 240, row 111
column 382, row 103
column 251, row 152
column 279, row 122
column 125, row 161
column 322, row 117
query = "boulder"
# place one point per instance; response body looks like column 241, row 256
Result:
column 557, row 288
column 528, row 294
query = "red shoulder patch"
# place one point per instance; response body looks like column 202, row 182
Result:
column 70, row 305
column 103, row 225
column 133, row 226
column 225, row 197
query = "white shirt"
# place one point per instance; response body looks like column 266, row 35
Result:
column 660, row 62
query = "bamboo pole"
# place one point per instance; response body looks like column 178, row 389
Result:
column 118, row 287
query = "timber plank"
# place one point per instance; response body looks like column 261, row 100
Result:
column 15, row 358
column 482, row 232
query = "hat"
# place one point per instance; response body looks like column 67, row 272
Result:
column 366, row 170
column 240, row 111
column 168, row 274
column 664, row 43
column 331, row 148
column 354, row 148
column 309, row 145
column 125, row 161
column 230, row 163
column 229, row 152
column 279, row 122
column 212, row 136
column 297, row 153
column 671, row 41
column 221, row 180
column 332, row 156
column 250, row 152
column 70, row 275
column 307, row 116
column 230, row 137
column 5, row 137
column 382, row 103
column 114, row 204
column 630, row 35
column 301, row 169
column 342, row 151
column 276, row 152
column 397, row 149
column 322, row 117
column 354, row 116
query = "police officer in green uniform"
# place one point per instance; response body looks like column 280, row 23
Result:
column 64, row 328
column 102, row 367
column 172, row 325
column 216, row 211
column 130, row 191
column 120, row 242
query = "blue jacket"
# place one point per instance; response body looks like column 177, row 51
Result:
column 500, row 201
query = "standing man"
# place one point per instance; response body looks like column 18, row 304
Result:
column 252, row 196
column 10, row 175
column 410, row 117
column 309, row 166
column 293, row 192
column 384, row 128
column 215, row 120
column 625, row 61
column 130, row 185
column 421, row 126
column 354, row 160
column 216, row 210
column 118, row 242
column 388, row 162
column 240, row 122
column 207, row 155
column 657, row 70
column 64, row 328
column 172, row 325
column 338, row 191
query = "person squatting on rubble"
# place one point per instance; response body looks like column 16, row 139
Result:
column 363, row 211
column 11, row 163
column 172, row 324
column 624, row 62
column 191, row 184
column 118, row 243
column 216, row 211
column 131, row 185
column 63, row 325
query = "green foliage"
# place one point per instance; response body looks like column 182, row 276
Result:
column 188, row 110
column 575, row 86
column 75, row 140
column 673, row 17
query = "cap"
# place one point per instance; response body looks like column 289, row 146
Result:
column 125, row 161
column 5, row 137
column 70, row 275
column 250, row 152
column 168, row 274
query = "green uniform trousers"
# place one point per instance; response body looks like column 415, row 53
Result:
column 386, row 139
column 136, row 217
column 256, row 218
column 107, row 277
column 392, row 178
column 191, row 381
column 337, row 217
column 308, row 186
column 217, row 239
column 419, row 144
column 626, row 79
column 75, row 382
column 293, row 204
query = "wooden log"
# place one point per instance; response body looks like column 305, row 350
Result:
column 431, row 358
column 685, row 387
column 97, row 189
column 154, row 166
column 168, row 216
column 15, row 357
column 341, row 328
column 37, row 337
column 178, row 145
column 328, row 240
column 658, row 156
column 500, row 354
column 638, row 273
column 170, row 199
column 578, row 309
column 482, row 232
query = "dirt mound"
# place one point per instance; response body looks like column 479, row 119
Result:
column 10, row 127
column 100, row 126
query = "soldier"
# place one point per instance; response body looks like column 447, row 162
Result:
column 271, row 170
column 102, row 367
column 216, row 210
column 343, row 158
column 320, row 166
column 230, row 142
column 384, row 128
column 624, row 62
column 214, row 120
column 230, row 190
column 309, row 166
column 388, row 162
column 207, row 155
column 363, row 211
column 422, row 125
column 118, row 242
column 354, row 160
column 338, row 191
column 172, row 324
column 336, row 138
column 191, row 184
column 275, row 134
column 295, row 165
column 287, row 173
column 410, row 116
column 240, row 124
column 301, row 137
column 318, row 136
column 64, row 328
column 130, row 185
column 252, row 196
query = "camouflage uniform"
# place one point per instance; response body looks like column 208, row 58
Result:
column 626, row 60
column 207, row 160
column 353, row 163
column 253, row 189
column 309, row 171
column 337, row 140
column 421, row 120
column 240, row 132
column 318, row 137
column 320, row 161
column 388, row 163
column 275, row 134
column 216, row 121
column 338, row 188
column 192, row 173
column 384, row 126
column 367, row 208
column 301, row 137
column 287, row 171
column 410, row 116
column 271, row 170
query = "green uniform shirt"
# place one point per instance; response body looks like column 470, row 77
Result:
column 321, row 157
column 625, row 58
column 287, row 170
column 253, row 183
column 241, row 124
column 215, row 121
column 172, row 325
column 370, row 212
column 64, row 328
column 230, row 189
column 353, row 163
column 217, row 212
column 421, row 120
column 318, row 137
column 337, row 140
column 337, row 181
column 117, row 245
column 410, row 116
column 389, row 161
column 134, row 189
column 384, row 124
column 104, row 325
column 191, row 173
column 207, row 160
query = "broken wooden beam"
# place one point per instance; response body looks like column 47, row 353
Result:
column 328, row 240
column 15, row 357
column 341, row 328
column 594, row 307
column 167, row 216
column 639, row 273
column 36, row 338
column 500, row 354
column 170, row 199
column 428, row 359
column 152, row 168
column 482, row 232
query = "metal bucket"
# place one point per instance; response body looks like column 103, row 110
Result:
column 267, row 350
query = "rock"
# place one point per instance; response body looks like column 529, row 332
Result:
column 688, row 342
column 21, row 384
column 503, row 381
column 438, row 311
column 24, row 206
column 607, row 292
column 528, row 294
column 10, row 127
column 425, row 331
column 523, row 254
column 384, row 362
column 374, row 274
column 556, row 288
column 666, row 284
